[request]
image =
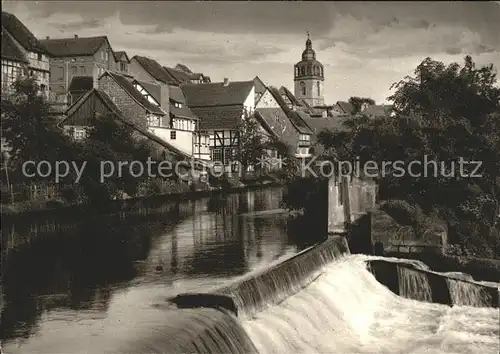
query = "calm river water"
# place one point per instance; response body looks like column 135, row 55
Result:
column 82, row 275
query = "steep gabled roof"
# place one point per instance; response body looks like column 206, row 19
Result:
column 154, row 69
column 309, row 109
column 177, row 77
column 277, row 121
column 128, row 86
column 260, row 87
column 153, row 89
column 119, row 54
column 346, row 107
column 216, row 94
column 118, row 113
column 79, row 46
column 176, row 95
column 378, row 110
column 218, row 117
column 331, row 124
column 81, row 83
column 10, row 51
column 184, row 68
column 21, row 33
column 294, row 117
column 284, row 91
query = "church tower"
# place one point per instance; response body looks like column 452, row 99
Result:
column 309, row 77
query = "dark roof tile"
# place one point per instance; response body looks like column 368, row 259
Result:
column 346, row 107
column 177, row 77
column 176, row 95
column 120, row 115
column 218, row 117
column 378, row 110
column 80, row 46
column 81, row 83
column 277, row 121
column 154, row 69
column 182, row 67
column 153, row 89
column 119, row 54
column 216, row 94
column 21, row 33
column 128, row 86
column 294, row 117
column 284, row 91
column 10, row 51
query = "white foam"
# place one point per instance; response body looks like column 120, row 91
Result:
column 347, row 311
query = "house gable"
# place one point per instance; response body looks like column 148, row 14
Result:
column 85, row 110
column 267, row 101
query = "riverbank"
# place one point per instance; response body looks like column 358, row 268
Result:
column 42, row 208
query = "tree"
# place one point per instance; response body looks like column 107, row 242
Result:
column 29, row 128
column 358, row 102
column 253, row 144
column 443, row 113
column 112, row 141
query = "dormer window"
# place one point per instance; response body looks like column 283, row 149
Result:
column 177, row 104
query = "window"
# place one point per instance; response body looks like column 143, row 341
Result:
column 60, row 73
column 303, row 88
column 318, row 85
column 10, row 72
column 153, row 121
column 123, row 67
column 82, row 70
column 74, row 70
column 296, row 71
column 79, row 134
column 40, row 56
column 173, row 135
column 304, row 139
column 216, row 154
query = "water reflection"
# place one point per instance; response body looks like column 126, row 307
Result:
column 76, row 269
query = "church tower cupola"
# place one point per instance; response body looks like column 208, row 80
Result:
column 309, row 77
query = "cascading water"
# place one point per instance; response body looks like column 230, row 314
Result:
column 347, row 311
column 414, row 285
column 320, row 301
column 468, row 294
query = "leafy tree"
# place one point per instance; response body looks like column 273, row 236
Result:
column 30, row 129
column 112, row 141
column 253, row 144
column 443, row 113
column 358, row 102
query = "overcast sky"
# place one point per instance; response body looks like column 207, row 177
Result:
column 364, row 46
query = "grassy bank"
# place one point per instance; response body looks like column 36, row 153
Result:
column 38, row 208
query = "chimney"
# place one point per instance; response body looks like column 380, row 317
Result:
column 48, row 37
column 76, row 36
column 226, row 82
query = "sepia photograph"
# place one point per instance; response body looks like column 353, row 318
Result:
column 250, row 177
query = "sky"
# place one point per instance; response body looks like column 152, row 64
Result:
column 364, row 46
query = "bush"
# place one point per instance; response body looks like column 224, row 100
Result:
column 403, row 212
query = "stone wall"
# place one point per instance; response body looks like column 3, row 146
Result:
column 393, row 237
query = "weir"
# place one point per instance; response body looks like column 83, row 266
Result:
column 326, row 300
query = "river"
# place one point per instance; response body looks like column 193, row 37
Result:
column 71, row 281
